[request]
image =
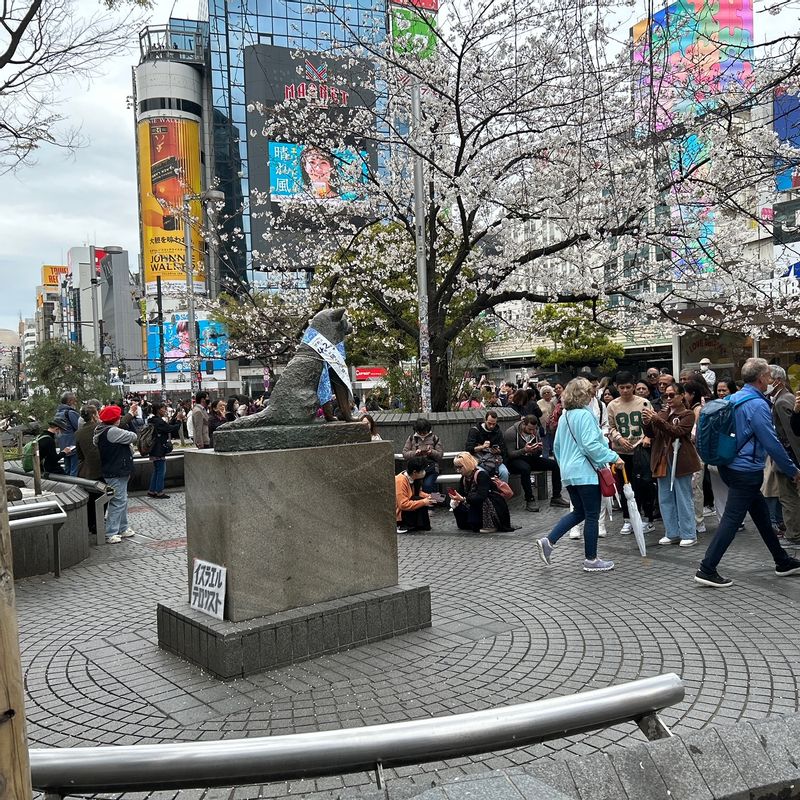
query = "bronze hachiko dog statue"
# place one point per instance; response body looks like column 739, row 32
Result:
column 294, row 400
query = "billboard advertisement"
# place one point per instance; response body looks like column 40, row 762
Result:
column 689, row 52
column 169, row 168
column 213, row 344
column 413, row 32
column 295, row 165
column 786, row 121
column 53, row 274
column 306, row 173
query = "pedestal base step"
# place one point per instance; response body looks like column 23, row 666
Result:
column 234, row 649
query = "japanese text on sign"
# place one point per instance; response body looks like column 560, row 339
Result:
column 208, row 588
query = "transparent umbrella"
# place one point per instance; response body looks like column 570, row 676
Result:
column 634, row 517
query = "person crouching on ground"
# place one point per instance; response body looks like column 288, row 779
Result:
column 580, row 449
column 116, row 460
column 672, row 424
column 477, row 505
column 411, row 504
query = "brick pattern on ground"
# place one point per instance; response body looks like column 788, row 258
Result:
column 505, row 630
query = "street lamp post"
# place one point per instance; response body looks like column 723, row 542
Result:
column 210, row 196
column 95, row 282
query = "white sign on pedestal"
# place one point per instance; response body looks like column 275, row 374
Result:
column 208, row 588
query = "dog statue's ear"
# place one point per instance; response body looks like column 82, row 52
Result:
column 337, row 314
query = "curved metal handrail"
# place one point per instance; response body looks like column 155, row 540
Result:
column 270, row 758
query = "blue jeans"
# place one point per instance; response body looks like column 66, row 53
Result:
column 157, row 478
column 117, row 514
column 585, row 506
column 775, row 511
column 677, row 508
column 71, row 464
column 744, row 496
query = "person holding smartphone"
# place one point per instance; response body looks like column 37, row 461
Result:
column 525, row 456
column 411, row 503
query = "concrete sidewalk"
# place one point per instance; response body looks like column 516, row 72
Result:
column 506, row 630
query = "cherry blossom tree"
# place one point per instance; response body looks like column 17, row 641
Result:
column 551, row 175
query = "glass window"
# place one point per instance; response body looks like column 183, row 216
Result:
column 279, row 27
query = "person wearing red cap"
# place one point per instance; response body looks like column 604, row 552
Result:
column 116, row 460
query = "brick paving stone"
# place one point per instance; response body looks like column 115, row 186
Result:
column 506, row 630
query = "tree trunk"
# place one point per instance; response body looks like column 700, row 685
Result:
column 440, row 375
column 15, row 773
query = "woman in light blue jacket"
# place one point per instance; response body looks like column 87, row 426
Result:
column 580, row 449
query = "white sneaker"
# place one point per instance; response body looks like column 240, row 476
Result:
column 126, row 534
column 113, row 539
column 701, row 528
column 649, row 527
column 574, row 534
column 626, row 529
column 602, row 533
column 688, row 542
column 708, row 511
column 667, row 540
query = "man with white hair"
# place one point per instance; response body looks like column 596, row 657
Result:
column 744, row 476
column 776, row 481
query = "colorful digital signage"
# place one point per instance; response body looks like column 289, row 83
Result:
column 296, row 166
column 687, row 53
column 169, row 169
column 786, row 121
column 311, row 174
column 213, row 344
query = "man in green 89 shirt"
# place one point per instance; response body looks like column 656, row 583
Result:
column 626, row 431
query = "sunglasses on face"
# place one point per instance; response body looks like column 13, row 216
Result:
column 669, row 395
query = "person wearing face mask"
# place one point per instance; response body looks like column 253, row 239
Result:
column 709, row 375
column 744, row 476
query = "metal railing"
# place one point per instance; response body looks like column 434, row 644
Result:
column 102, row 490
column 63, row 771
column 41, row 513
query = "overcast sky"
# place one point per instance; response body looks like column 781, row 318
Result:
column 71, row 200
column 90, row 197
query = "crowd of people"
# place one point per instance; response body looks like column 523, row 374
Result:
column 98, row 441
column 644, row 429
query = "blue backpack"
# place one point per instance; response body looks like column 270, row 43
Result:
column 716, row 440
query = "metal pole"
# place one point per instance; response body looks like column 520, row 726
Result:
column 37, row 469
column 161, row 360
column 422, row 265
column 95, row 316
column 187, row 240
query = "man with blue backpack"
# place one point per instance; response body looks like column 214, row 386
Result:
column 736, row 434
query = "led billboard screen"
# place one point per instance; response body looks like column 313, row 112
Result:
column 309, row 174
column 213, row 343
column 296, row 166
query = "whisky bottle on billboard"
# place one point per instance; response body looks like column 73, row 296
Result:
column 165, row 171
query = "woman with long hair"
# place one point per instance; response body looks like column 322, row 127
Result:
column 369, row 421
column 216, row 417
column 674, row 423
column 580, row 449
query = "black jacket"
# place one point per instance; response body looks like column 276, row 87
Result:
column 479, row 435
column 162, row 438
column 49, row 456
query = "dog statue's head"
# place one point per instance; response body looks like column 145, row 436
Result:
column 332, row 323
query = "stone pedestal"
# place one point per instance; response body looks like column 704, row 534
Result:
column 293, row 527
column 309, row 541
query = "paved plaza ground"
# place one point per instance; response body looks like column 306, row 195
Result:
column 505, row 630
